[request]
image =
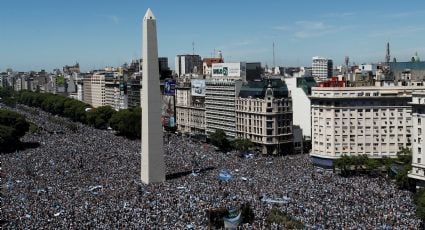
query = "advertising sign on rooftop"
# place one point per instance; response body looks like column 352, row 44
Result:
column 228, row 69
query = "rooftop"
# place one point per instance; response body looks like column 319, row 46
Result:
column 257, row 89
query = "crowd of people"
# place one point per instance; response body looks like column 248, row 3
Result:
column 89, row 178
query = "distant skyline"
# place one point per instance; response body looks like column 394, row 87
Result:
column 48, row 34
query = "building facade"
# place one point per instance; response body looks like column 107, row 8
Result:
column 300, row 90
column 418, row 131
column 220, row 105
column 375, row 121
column 264, row 116
column 190, row 109
column 97, row 83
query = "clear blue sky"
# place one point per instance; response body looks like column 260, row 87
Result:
column 47, row 34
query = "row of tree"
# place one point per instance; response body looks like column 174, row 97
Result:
column 398, row 167
column 126, row 122
column 12, row 127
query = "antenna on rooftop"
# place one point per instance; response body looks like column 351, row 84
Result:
column 274, row 57
column 388, row 56
column 193, row 48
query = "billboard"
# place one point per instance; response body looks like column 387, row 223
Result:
column 198, row 87
column 169, row 87
column 167, row 111
column 237, row 69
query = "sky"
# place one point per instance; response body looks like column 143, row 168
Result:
column 48, row 34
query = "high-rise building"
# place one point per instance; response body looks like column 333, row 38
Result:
column 97, row 83
column 220, row 105
column 322, row 68
column 418, row 131
column 375, row 121
column 152, row 162
column 87, row 98
column 188, row 63
column 163, row 64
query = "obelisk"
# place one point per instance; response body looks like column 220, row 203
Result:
column 152, row 165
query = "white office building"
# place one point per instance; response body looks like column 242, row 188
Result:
column 375, row 121
column 322, row 68
column 220, row 105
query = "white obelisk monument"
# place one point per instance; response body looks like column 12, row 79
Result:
column 152, row 166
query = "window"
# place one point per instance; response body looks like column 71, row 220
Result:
column 419, row 160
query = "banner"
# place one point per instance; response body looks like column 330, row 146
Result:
column 169, row 87
column 198, row 87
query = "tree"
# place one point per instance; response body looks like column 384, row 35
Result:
column 100, row 116
column 243, row 145
column 127, row 122
column 419, row 199
column 12, row 127
column 8, row 137
column 343, row 163
column 372, row 164
column 404, row 156
column 219, row 139
column 15, row 121
column 404, row 160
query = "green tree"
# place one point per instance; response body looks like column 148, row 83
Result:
column 8, row 137
column 127, row 122
column 100, row 116
column 419, row 199
column 404, row 160
column 343, row 163
column 219, row 139
column 12, row 127
column 243, row 145
column 15, row 121
column 372, row 164
column 404, row 156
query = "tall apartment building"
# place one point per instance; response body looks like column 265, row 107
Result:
column 97, row 83
column 264, row 115
column 188, row 63
column 418, row 131
column 106, row 89
column 190, row 106
column 322, row 68
column 375, row 121
column 87, row 98
column 220, row 105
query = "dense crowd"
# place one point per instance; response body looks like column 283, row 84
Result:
column 89, row 178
